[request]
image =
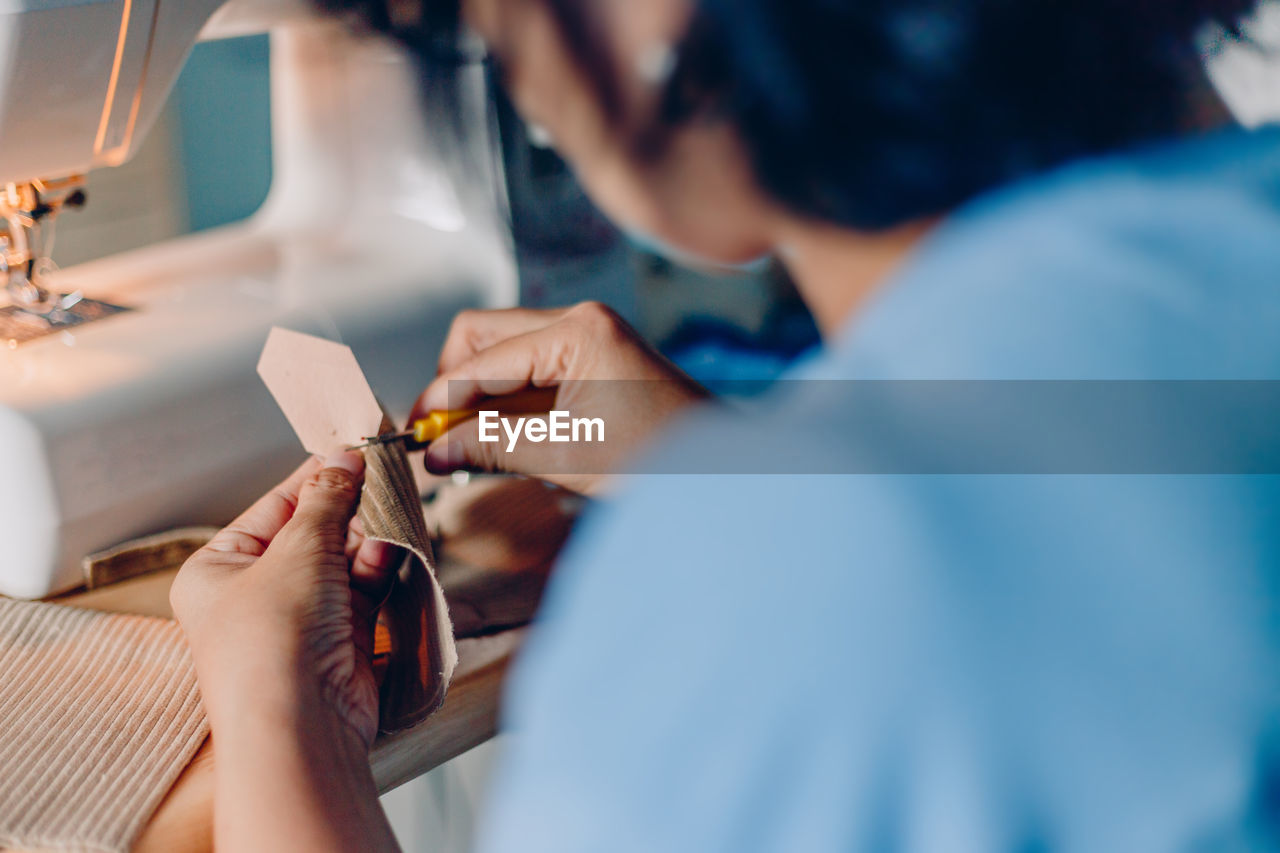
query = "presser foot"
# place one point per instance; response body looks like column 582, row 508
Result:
column 18, row 325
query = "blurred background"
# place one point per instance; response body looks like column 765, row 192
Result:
column 207, row 163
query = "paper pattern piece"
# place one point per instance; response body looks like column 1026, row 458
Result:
column 329, row 403
column 99, row 714
column 321, row 390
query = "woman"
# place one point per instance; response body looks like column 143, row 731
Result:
column 882, row 657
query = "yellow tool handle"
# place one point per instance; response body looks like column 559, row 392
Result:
column 437, row 422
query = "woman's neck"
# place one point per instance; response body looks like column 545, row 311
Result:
column 835, row 269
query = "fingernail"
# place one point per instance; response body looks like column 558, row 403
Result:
column 443, row 456
column 436, row 459
column 347, row 460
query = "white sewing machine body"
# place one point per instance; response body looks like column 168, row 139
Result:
column 155, row 418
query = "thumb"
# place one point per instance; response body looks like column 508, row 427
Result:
column 327, row 500
column 461, row 449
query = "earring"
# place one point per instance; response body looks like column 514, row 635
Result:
column 656, row 63
column 539, row 136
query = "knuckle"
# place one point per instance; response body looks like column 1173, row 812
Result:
column 464, row 318
column 178, row 597
column 286, row 498
column 313, row 538
column 597, row 318
column 181, row 592
column 591, row 310
column 464, row 325
column 335, row 483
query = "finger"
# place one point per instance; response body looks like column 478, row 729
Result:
column 326, row 503
column 372, row 562
column 473, row 331
column 373, row 570
column 539, row 359
column 355, row 537
column 253, row 531
column 372, row 566
column 460, row 449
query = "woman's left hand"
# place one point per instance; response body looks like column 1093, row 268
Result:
column 279, row 607
column 278, row 610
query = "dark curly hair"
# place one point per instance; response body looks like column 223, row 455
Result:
column 870, row 113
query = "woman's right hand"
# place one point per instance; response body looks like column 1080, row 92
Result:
column 597, row 364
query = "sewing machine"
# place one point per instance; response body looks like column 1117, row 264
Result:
column 119, row 423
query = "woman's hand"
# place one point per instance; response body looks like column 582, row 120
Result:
column 279, row 611
column 599, row 366
column 288, row 592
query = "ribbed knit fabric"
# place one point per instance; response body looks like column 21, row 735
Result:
column 423, row 654
column 99, row 713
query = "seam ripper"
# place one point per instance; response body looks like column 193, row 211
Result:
column 437, row 422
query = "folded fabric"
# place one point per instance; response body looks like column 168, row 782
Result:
column 99, row 714
column 324, row 395
column 423, row 655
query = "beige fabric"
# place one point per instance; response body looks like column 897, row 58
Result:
column 423, row 655
column 99, row 713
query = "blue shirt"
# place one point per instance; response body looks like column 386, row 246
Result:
column 1077, row 662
